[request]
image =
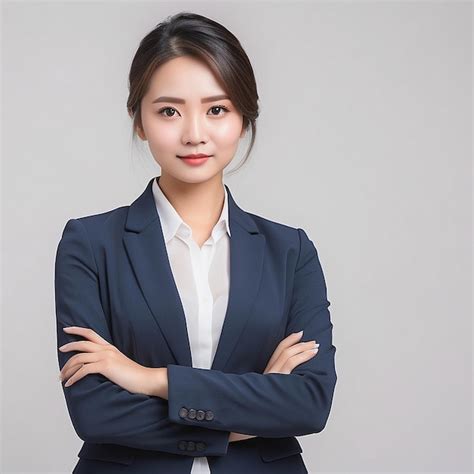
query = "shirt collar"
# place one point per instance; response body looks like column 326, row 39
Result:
column 172, row 223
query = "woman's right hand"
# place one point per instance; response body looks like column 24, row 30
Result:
column 288, row 354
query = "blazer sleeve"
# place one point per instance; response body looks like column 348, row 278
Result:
column 100, row 410
column 269, row 405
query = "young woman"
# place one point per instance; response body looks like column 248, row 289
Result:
column 193, row 336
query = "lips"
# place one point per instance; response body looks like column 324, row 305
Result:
column 195, row 160
column 195, row 156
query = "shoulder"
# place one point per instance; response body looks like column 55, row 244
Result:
column 98, row 226
column 108, row 226
column 282, row 236
column 270, row 227
column 296, row 247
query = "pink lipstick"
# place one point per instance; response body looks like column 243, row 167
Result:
column 196, row 159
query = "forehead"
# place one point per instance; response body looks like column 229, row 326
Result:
column 184, row 77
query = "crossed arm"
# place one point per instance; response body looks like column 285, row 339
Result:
column 269, row 405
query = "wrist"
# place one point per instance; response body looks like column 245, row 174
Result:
column 156, row 382
column 239, row 436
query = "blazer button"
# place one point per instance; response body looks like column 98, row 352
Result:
column 183, row 412
column 191, row 446
column 209, row 415
column 183, row 445
column 200, row 446
column 191, row 413
column 200, row 415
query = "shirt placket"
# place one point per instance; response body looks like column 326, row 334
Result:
column 201, row 258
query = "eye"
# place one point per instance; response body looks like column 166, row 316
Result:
column 160, row 112
column 163, row 110
column 223, row 107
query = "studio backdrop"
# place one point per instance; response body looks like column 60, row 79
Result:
column 364, row 140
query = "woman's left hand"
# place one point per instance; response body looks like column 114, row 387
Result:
column 99, row 356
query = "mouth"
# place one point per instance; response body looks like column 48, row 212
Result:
column 195, row 156
column 194, row 160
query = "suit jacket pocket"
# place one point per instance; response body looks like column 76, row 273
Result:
column 271, row 449
column 106, row 452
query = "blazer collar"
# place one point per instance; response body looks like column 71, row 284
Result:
column 172, row 223
column 143, row 211
column 145, row 245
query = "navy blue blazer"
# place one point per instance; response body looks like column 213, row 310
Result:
column 112, row 274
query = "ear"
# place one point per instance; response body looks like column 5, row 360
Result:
column 141, row 133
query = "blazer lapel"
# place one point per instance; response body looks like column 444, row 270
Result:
column 146, row 249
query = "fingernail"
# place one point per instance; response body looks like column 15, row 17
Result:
column 315, row 349
column 299, row 333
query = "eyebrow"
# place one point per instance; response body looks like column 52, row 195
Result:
column 178, row 100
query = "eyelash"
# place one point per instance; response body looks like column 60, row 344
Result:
column 160, row 112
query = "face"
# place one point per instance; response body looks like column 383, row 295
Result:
column 191, row 125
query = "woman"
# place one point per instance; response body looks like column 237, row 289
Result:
column 193, row 336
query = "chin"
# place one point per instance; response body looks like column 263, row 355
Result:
column 192, row 176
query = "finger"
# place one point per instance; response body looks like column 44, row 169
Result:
column 86, row 369
column 84, row 346
column 76, row 362
column 291, row 351
column 298, row 359
column 72, row 361
column 287, row 342
column 87, row 333
column 300, row 347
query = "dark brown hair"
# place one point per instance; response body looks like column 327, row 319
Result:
column 190, row 34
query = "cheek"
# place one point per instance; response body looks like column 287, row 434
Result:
column 228, row 132
column 162, row 135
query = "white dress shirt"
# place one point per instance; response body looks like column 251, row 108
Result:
column 202, row 276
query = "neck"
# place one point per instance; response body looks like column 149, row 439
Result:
column 198, row 204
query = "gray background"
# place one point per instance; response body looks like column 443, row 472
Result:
column 364, row 140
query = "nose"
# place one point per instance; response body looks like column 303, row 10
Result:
column 194, row 130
